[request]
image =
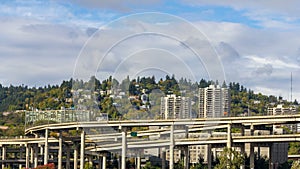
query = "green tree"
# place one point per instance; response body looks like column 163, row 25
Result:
column 149, row 166
column 230, row 159
column 294, row 148
column 200, row 164
column 296, row 165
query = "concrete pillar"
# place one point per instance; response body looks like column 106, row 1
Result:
column 21, row 155
column 243, row 130
column 251, row 148
column 271, row 164
column 138, row 160
column 258, row 152
column 31, row 156
column 99, row 166
column 251, row 156
column 3, row 156
column 27, row 162
column 209, row 156
column 229, row 136
column 60, row 147
column 186, row 157
column 82, row 146
column 36, row 155
column 46, row 147
column 186, row 150
column 124, row 148
column 104, row 161
column 243, row 153
column 163, row 158
column 243, row 146
column 251, row 130
column 68, row 157
column 75, row 157
column 119, row 161
column 171, row 163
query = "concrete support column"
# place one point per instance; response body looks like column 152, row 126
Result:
column 186, row 150
column 46, row 153
column 124, row 148
column 60, row 147
column 104, row 161
column 3, row 156
column 251, row 130
column 68, row 157
column 163, row 158
column 82, row 146
column 251, row 148
column 258, row 151
column 119, row 161
column 271, row 164
column 171, row 165
column 99, row 166
column 21, row 155
column 209, row 156
column 243, row 130
column 36, row 155
column 243, row 153
column 251, row 156
column 229, row 136
column 214, row 151
column 186, row 158
column 138, row 160
column 27, row 160
column 76, row 156
column 31, row 156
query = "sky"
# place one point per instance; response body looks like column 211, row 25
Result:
column 255, row 43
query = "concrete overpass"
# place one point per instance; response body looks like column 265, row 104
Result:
column 169, row 133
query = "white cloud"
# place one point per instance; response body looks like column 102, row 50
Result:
column 32, row 47
column 125, row 37
column 257, row 58
column 118, row 5
column 268, row 14
column 287, row 7
column 37, row 53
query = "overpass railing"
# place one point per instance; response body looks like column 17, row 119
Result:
column 35, row 118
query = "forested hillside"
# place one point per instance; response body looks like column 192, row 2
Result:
column 56, row 96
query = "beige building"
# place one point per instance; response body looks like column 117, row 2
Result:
column 175, row 107
column 214, row 101
column 281, row 110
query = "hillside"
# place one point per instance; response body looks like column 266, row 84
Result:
column 105, row 96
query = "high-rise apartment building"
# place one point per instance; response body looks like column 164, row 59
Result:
column 175, row 107
column 214, row 101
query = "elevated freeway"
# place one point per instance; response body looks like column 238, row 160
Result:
column 95, row 138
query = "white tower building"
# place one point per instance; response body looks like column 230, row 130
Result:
column 214, row 101
column 175, row 107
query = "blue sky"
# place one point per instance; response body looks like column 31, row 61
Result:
column 257, row 41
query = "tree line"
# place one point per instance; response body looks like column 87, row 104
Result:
column 56, row 96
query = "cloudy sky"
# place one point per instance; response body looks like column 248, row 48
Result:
column 255, row 43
